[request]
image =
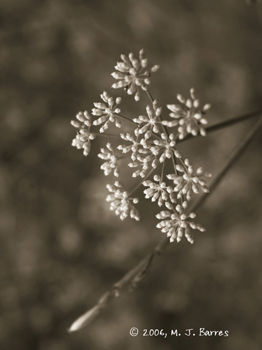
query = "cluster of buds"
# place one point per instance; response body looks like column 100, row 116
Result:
column 84, row 136
column 149, row 145
column 133, row 74
column 120, row 202
column 188, row 116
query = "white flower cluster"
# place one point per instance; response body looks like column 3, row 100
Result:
column 133, row 73
column 176, row 224
column 188, row 116
column 158, row 191
column 186, row 181
column 83, row 137
column 147, row 125
column 121, row 203
column 150, row 147
column 107, row 112
column 110, row 164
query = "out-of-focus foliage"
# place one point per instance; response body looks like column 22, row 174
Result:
column 60, row 246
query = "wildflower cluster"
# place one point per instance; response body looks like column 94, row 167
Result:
column 132, row 74
column 84, row 136
column 121, row 203
column 149, row 145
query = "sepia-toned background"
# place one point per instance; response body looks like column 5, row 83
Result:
column 60, row 247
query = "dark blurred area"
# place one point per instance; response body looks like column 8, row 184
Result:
column 60, row 247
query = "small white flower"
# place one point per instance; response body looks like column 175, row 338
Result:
column 107, row 112
column 165, row 147
column 141, row 156
column 110, row 158
column 157, row 190
column 84, row 136
column 189, row 181
column 188, row 115
column 176, row 224
column 150, row 123
column 133, row 73
column 121, row 203
column 143, row 163
column 136, row 146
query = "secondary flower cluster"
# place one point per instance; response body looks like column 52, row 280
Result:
column 149, row 146
column 133, row 73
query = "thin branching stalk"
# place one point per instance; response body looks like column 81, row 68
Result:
column 126, row 118
column 137, row 186
column 134, row 276
column 227, row 123
column 212, row 128
column 105, row 135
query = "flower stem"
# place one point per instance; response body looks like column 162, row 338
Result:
column 97, row 134
column 134, row 276
column 239, row 149
column 227, row 123
column 125, row 117
column 162, row 171
column 136, row 187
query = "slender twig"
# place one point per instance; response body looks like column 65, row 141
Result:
column 232, row 121
column 97, row 134
column 227, row 123
column 149, row 95
column 125, row 117
column 141, row 181
column 162, row 171
column 133, row 277
column 114, row 292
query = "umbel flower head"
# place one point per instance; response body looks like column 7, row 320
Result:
column 107, row 112
column 133, row 73
column 150, row 123
column 83, row 137
column 188, row 181
column 147, row 142
column 110, row 164
column 188, row 116
column 157, row 190
column 121, row 203
column 165, row 147
column 176, row 224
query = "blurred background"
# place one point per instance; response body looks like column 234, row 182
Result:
column 60, row 247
